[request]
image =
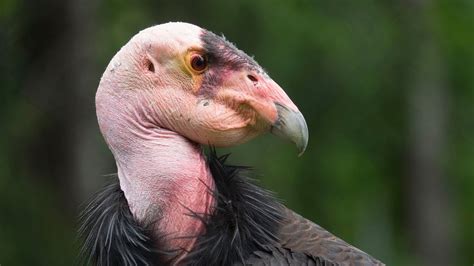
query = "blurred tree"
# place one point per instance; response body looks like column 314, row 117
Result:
column 428, row 203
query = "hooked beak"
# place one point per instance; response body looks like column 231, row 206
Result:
column 273, row 107
column 290, row 125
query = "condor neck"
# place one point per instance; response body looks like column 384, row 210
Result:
column 165, row 178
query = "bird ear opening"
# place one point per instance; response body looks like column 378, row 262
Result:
column 150, row 63
column 150, row 66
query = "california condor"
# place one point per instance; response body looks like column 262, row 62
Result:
column 170, row 89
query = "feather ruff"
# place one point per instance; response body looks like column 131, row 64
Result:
column 245, row 219
column 110, row 234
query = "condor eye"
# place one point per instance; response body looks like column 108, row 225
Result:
column 198, row 62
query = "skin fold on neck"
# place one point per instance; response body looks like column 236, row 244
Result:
column 162, row 174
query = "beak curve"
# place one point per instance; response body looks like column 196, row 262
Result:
column 290, row 125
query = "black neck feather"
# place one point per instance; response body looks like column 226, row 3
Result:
column 246, row 219
column 110, row 233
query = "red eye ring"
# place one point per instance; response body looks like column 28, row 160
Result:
column 198, row 62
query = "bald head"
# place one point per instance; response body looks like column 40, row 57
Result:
column 180, row 77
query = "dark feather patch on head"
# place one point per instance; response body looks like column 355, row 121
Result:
column 112, row 236
column 245, row 219
column 223, row 53
column 223, row 57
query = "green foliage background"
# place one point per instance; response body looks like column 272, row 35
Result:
column 350, row 66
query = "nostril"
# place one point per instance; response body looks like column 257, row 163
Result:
column 252, row 78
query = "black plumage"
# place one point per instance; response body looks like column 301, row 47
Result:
column 111, row 236
column 276, row 255
column 246, row 219
column 248, row 227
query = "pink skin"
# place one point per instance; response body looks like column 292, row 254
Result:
column 154, row 119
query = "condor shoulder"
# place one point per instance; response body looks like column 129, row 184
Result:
column 273, row 255
column 300, row 235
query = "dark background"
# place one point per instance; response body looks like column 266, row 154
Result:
column 387, row 89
